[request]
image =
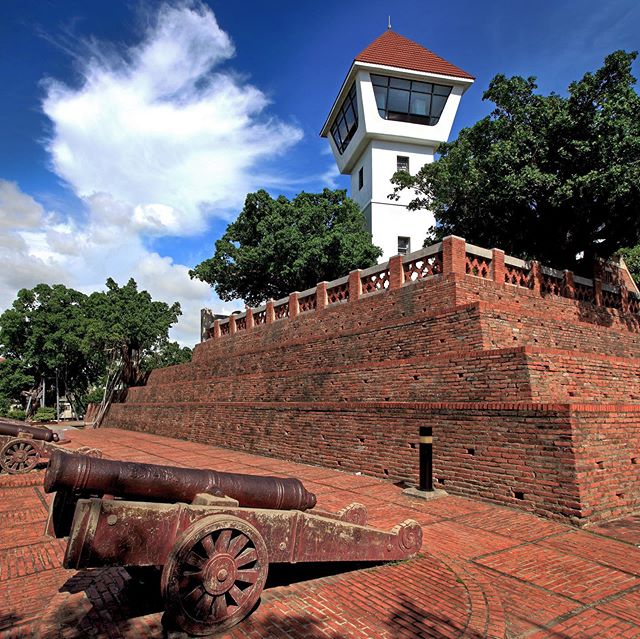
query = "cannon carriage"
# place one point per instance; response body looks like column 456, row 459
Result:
column 23, row 446
column 212, row 534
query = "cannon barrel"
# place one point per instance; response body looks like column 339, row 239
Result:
column 151, row 482
column 39, row 433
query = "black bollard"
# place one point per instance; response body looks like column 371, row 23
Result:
column 426, row 458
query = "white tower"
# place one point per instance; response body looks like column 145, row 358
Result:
column 397, row 103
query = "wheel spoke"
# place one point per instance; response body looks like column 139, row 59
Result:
column 203, row 606
column 246, row 557
column 220, row 607
column 222, row 543
column 248, row 576
column 193, row 596
column 238, row 544
column 208, row 545
column 238, row 595
column 193, row 559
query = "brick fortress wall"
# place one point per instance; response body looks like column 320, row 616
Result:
column 528, row 376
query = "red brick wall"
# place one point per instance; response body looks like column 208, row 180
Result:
column 501, row 373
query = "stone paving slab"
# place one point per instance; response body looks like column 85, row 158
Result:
column 483, row 571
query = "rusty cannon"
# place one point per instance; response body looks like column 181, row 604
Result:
column 22, row 446
column 212, row 534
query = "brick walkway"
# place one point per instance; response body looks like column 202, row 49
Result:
column 484, row 571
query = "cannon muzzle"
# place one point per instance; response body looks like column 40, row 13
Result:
column 85, row 475
column 38, row 433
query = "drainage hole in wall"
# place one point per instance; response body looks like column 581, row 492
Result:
column 361, row 440
column 600, row 464
column 441, row 481
column 634, row 460
column 416, row 377
column 414, row 446
column 339, row 463
column 518, row 494
column 471, row 451
column 620, row 495
column 386, row 472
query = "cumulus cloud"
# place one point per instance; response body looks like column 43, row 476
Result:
column 83, row 256
column 164, row 128
column 17, row 209
column 155, row 140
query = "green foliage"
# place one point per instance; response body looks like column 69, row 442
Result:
column 128, row 325
column 16, row 413
column 168, row 354
column 45, row 414
column 14, row 378
column 543, row 177
column 277, row 246
column 54, row 332
column 632, row 260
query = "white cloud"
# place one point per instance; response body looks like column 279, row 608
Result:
column 154, row 141
column 163, row 128
column 17, row 209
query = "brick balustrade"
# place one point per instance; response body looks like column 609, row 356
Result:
column 452, row 255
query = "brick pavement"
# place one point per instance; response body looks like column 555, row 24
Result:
column 484, row 570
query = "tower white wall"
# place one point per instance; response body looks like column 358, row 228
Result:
column 389, row 219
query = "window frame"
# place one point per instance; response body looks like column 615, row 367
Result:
column 340, row 130
column 407, row 250
column 400, row 162
column 402, row 90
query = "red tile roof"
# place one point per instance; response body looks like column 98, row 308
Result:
column 394, row 50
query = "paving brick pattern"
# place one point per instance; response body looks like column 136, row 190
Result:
column 484, row 570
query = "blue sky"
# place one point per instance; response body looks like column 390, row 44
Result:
column 130, row 132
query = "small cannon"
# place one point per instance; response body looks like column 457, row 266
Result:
column 213, row 534
column 23, row 446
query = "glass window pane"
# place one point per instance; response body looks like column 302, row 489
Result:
column 399, row 83
column 342, row 125
column 381, row 97
column 438, row 89
column 382, row 112
column 350, row 117
column 379, row 80
column 420, row 103
column 423, row 87
column 398, row 101
column 437, row 104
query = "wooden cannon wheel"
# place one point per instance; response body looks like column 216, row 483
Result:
column 19, row 456
column 214, row 574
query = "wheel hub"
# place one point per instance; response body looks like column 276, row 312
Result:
column 219, row 574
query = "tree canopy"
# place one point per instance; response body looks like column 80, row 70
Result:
column 56, row 335
column 277, row 246
column 632, row 260
column 545, row 177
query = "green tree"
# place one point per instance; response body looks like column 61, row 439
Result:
column 544, row 177
column 42, row 336
column 128, row 328
column 277, row 246
column 168, row 354
column 632, row 260
column 110, row 339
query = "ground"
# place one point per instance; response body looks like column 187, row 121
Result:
column 484, row 570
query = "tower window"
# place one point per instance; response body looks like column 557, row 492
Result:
column 403, row 163
column 409, row 100
column 346, row 123
column 404, row 245
column 360, row 179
